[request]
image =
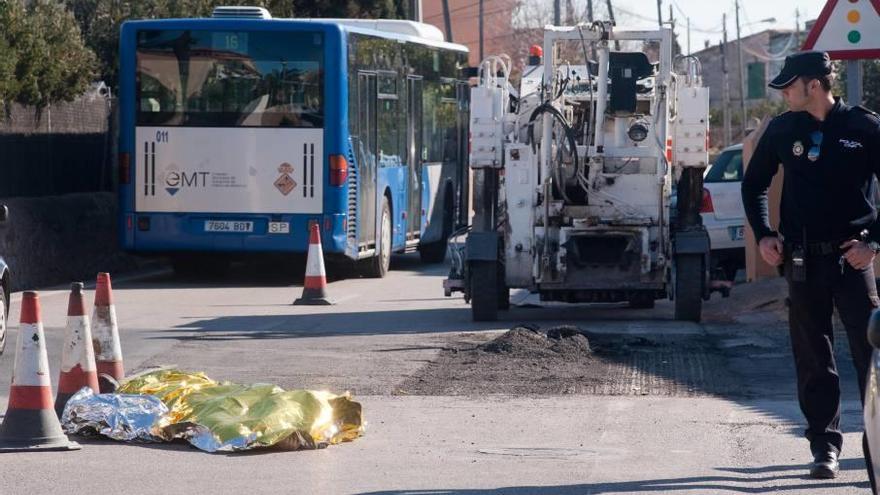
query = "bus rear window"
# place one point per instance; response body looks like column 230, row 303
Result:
column 230, row 78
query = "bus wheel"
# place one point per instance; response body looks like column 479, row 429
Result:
column 377, row 266
column 435, row 252
column 196, row 266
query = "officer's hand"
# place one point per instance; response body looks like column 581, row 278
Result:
column 771, row 250
column 858, row 254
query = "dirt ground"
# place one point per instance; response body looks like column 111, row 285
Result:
column 742, row 350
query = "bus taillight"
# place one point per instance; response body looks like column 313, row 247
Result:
column 124, row 168
column 338, row 170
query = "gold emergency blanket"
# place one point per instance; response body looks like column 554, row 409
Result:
column 226, row 416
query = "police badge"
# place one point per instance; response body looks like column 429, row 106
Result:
column 798, row 148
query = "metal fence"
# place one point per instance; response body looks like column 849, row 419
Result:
column 66, row 148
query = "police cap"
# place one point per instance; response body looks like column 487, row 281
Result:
column 809, row 63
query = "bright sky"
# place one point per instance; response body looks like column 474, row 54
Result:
column 705, row 16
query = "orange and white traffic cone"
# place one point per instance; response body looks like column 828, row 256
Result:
column 78, row 356
column 314, row 288
column 30, row 422
column 105, row 337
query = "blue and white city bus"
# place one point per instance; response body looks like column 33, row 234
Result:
column 237, row 132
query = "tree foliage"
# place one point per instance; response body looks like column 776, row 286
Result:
column 100, row 19
column 42, row 55
column 870, row 84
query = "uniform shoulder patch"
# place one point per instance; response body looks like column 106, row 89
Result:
column 872, row 115
column 866, row 110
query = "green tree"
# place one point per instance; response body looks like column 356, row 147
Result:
column 43, row 56
column 870, row 84
column 100, row 20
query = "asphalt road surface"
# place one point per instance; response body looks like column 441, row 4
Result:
column 687, row 408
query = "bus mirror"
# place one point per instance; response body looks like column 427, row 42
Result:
column 4, row 213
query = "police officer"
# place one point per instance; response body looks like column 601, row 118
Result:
column 827, row 239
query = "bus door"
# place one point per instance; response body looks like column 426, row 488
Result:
column 367, row 158
column 414, row 154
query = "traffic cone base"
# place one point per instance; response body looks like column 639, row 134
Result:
column 30, row 422
column 315, row 283
column 28, row 430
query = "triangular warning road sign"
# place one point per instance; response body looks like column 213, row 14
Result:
column 847, row 29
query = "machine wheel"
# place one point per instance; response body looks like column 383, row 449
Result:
column 4, row 314
column 503, row 290
column 377, row 266
column 689, row 287
column 484, row 290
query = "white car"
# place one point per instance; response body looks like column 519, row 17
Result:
column 723, row 213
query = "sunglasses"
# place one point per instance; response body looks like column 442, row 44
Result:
column 816, row 138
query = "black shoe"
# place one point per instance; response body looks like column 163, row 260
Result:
column 825, row 465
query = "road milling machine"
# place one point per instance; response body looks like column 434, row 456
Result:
column 587, row 179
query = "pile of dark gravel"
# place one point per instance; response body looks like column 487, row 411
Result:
column 531, row 342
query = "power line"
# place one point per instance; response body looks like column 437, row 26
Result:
column 463, row 7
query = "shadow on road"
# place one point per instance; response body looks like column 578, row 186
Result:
column 698, row 484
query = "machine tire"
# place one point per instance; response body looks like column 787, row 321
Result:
column 484, row 290
column 4, row 316
column 689, row 275
column 377, row 266
column 503, row 290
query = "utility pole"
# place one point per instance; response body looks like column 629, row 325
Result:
column 725, row 84
column 797, row 27
column 557, row 13
column 613, row 23
column 481, row 31
column 660, row 13
column 415, row 9
column 689, row 35
column 742, row 70
column 590, row 11
column 447, row 21
column 569, row 13
column 854, row 77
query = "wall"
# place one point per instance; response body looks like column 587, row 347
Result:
column 57, row 179
column 59, row 239
column 465, row 19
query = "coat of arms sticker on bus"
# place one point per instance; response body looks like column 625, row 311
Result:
column 285, row 183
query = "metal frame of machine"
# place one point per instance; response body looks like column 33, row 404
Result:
column 574, row 175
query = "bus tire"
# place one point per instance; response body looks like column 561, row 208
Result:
column 378, row 265
column 200, row 266
column 435, row 252
column 485, row 293
column 689, row 278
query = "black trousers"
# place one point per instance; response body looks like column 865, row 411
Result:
column 854, row 294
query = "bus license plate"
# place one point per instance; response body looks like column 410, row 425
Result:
column 737, row 233
column 279, row 227
column 228, row 226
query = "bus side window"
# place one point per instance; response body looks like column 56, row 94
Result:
column 389, row 128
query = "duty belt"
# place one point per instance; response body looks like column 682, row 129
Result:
column 817, row 248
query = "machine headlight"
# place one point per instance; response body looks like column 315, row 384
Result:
column 638, row 132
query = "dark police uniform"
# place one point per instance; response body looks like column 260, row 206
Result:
column 827, row 199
